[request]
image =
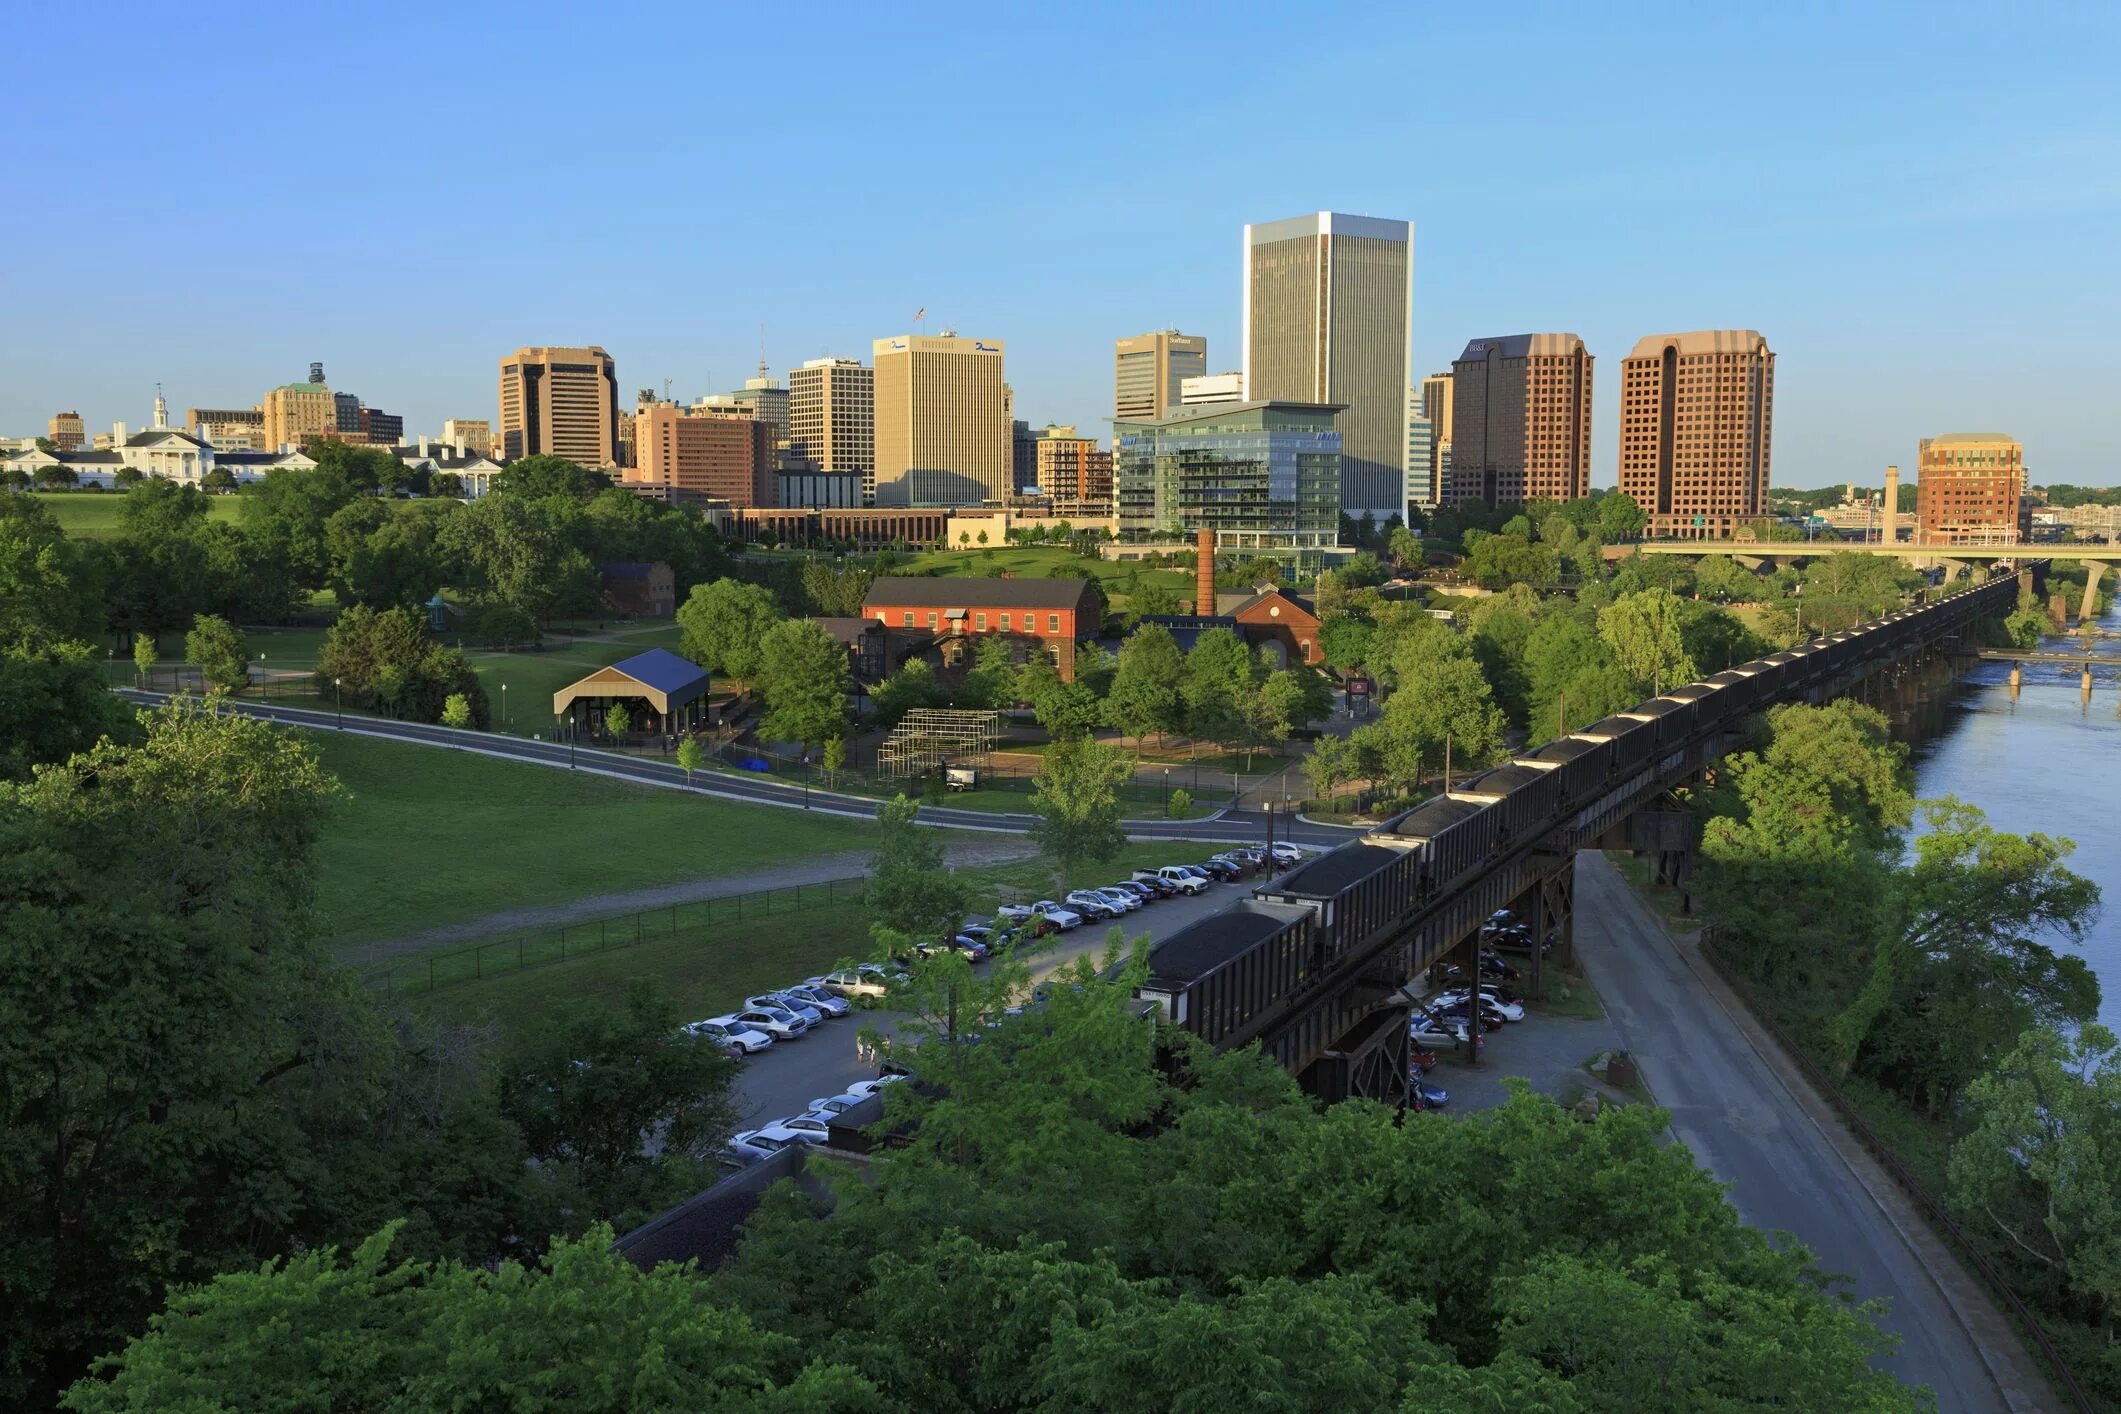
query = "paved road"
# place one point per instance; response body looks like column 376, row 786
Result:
column 784, row 1079
column 1730, row 1108
column 1231, row 826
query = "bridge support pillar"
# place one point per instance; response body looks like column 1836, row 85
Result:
column 1371, row 1062
column 2058, row 611
column 2017, row 679
column 2093, row 570
column 2086, row 687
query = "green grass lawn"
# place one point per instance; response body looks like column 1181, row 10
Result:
column 1039, row 562
column 532, row 678
column 94, row 514
column 707, row 970
column 427, row 837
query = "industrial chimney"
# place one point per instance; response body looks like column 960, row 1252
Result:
column 1889, row 522
column 1204, row 572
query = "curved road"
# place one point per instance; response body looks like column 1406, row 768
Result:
column 1229, row 827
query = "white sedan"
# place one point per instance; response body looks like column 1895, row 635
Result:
column 832, row 1106
column 817, row 997
column 1508, row 1011
column 753, row 1145
column 731, row 1032
column 778, row 1022
column 806, row 1128
column 768, row 1001
column 866, row 1088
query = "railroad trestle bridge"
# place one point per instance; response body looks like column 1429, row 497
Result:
column 1314, row 966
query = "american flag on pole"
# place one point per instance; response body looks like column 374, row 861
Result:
column 922, row 314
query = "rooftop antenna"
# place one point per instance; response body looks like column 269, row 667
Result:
column 666, row 390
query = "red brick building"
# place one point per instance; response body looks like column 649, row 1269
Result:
column 1055, row 614
column 1972, row 490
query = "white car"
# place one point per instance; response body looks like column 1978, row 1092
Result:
column 1045, row 908
column 818, row 997
column 854, row 983
column 767, row 1001
column 778, row 1022
column 1508, row 1011
column 1093, row 905
column 1426, row 1030
column 808, row 1128
column 752, row 1145
column 1285, row 853
column 866, row 1088
column 1126, row 899
column 835, row 1105
column 731, row 1032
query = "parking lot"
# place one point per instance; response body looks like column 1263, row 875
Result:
column 786, row 1077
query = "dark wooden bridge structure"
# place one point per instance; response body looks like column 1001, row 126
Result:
column 1315, row 966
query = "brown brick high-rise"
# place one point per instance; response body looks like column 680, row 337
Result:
column 1972, row 489
column 1521, row 421
column 1696, row 418
column 561, row 401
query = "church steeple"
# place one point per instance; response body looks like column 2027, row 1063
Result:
column 161, row 410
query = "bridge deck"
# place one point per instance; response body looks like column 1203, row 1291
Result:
column 2034, row 655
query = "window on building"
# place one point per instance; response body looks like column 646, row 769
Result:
column 1005, row 623
column 906, row 620
column 1053, row 623
column 979, row 621
column 934, row 619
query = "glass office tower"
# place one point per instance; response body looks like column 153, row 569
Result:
column 1265, row 476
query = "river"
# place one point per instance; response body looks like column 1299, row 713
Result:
column 2048, row 761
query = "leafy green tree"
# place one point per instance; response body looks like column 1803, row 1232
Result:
column 1448, row 700
column 1180, row 805
column 1345, row 641
column 2036, row 1169
column 1497, row 561
column 144, row 654
column 991, row 681
column 913, row 685
column 1331, row 763
column 1620, row 518
column 1034, row 677
column 49, row 589
column 54, row 702
column 910, row 890
column 526, row 551
column 456, row 711
column 386, row 657
column 1361, row 569
column 290, row 508
column 383, row 557
column 802, row 673
column 1721, row 577
column 1405, row 548
column 836, row 592
column 56, row 477
column 692, row 756
column 618, row 721
column 1645, row 630
column 1075, row 795
column 834, row 759
column 1067, row 710
column 1715, row 639
column 546, row 476
column 217, row 648
column 583, row 1331
column 2027, row 624
column 722, row 627
column 1146, row 694
column 1294, row 698
column 219, row 478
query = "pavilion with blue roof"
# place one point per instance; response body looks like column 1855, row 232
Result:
column 662, row 693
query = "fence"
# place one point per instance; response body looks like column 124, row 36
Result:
column 1150, row 786
column 557, row 942
column 1931, row 1207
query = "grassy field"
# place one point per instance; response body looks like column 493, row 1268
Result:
column 1039, row 562
column 427, row 837
column 94, row 514
column 707, row 970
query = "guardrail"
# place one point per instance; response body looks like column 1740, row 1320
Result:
column 1932, row 1208
column 554, row 943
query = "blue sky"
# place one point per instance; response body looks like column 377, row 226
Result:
column 1917, row 205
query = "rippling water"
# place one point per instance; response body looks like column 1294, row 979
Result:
column 2048, row 761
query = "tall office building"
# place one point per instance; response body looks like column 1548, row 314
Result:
column 1328, row 318
column 1148, row 369
column 473, row 434
column 228, row 429
column 761, row 397
column 1696, row 417
column 1421, row 452
column 1073, row 469
column 563, row 401
column 1436, row 407
column 68, row 432
column 297, row 413
column 1264, row 476
column 942, row 421
column 1521, row 414
column 832, row 418
column 1023, row 453
column 725, row 455
column 1971, row 491
column 1211, row 388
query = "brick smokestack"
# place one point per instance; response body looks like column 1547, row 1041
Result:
column 1204, row 572
column 1890, row 531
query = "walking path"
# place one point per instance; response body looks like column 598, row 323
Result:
column 819, row 869
column 1748, row 1115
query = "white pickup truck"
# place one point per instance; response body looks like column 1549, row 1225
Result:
column 1045, row 908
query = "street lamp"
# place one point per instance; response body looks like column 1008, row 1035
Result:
column 573, row 727
column 1167, row 792
column 340, row 698
column 506, row 720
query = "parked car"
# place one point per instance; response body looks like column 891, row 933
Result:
column 809, row 1128
column 728, row 1031
column 1421, row 1060
column 767, row 1001
column 1222, row 867
column 978, row 932
column 1508, row 1011
column 1045, row 908
column 753, row 1145
column 1155, row 883
column 866, row 1088
column 1434, row 1096
column 974, row 949
column 1092, row 905
column 832, row 1106
column 1490, row 1020
column 1126, row 900
column 853, row 982
column 1141, row 891
column 1285, row 854
column 811, row 995
column 1425, row 1030
column 778, row 1022
column 1183, row 880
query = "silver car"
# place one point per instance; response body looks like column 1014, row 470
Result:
column 806, row 1010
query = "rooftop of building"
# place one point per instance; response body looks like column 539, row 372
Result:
column 927, row 591
column 1968, row 438
column 1702, row 341
column 303, row 388
column 1210, row 412
column 1329, row 223
column 1522, row 346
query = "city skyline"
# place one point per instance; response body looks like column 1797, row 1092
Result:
column 1828, row 237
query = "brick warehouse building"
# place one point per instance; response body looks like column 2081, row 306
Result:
column 1055, row 614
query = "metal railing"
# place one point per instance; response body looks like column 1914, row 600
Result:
column 1931, row 1207
column 534, row 947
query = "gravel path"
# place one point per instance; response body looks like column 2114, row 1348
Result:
column 843, row 864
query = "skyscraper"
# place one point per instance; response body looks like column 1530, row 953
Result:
column 564, row 401
column 1328, row 318
column 473, row 434
column 832, row 418
column 1436, row 407
column 296, row 413
column 1421, row 452
column 1521, row 411
column 1696, row 415
column 942, row 421
column 727, row 455
column 1148, row 368
column 68, row 432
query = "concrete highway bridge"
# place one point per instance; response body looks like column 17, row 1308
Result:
column 1315, row 965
